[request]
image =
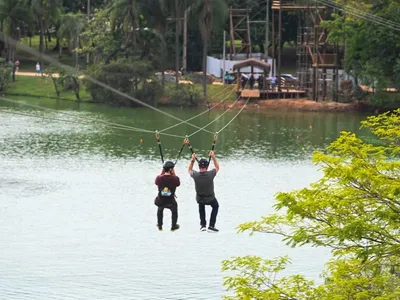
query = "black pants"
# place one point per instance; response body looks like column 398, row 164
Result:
column 171, row 205
column 202, row 211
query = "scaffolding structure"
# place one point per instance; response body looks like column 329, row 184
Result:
column 239, row 30
column 317, row 60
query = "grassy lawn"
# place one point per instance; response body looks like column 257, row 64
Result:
column 215, row 93
column 41, row 87
column 29, row 61
column 218, row 92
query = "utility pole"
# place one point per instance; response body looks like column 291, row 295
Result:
column 267, row 33
column 88, row 16
column 184, row 56
column 280, row 47
column 176, row 43
column 224, row 54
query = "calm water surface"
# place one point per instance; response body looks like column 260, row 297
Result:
column 77, row 219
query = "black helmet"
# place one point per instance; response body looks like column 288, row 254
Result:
column 203, row 163
column 168, row 165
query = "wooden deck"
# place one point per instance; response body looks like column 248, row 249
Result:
column 290, row 5
column 271, row 94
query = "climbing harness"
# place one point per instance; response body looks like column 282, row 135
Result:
column 213, row 145
column 190, row 147
column 185, row 142
column 159, row 146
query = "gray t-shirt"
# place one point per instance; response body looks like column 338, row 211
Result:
column 204, row 183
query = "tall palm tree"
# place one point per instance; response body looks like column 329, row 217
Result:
column 44, row 11
column 211, row 14
column 177, row 9
column 124, row 15
column 71, row 26
column 13, row 13
column 156, row 12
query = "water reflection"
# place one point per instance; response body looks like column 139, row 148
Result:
column 77, row 214
column 268, row 135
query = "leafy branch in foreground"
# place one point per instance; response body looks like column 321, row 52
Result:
column 354, row 209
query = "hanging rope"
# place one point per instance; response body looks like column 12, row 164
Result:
column 159, row 146
column 200, row 114
column 213, row 145
column 72, row 115
column 185, row 142
column 234, row 116
column 190, row 147
column 220, row 116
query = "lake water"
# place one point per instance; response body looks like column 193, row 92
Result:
column 77, row 219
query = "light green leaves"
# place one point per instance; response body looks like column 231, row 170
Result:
column 354, row 209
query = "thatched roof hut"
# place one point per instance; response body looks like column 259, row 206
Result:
column 254, row 63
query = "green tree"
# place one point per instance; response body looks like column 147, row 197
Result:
column 13, row 14
column 353, row 210
column 129, row 76
column 44, row 11
column 71, row 28
column 75, row 6
column 124, row 15
column 103, row 42
column 156, row 13
column 5, row 76
column 211, row 14
column 371, row 49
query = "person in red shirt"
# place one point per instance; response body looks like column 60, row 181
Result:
column 167, row 183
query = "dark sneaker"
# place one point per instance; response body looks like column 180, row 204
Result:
column 159, row 227
column 203, row 228
column 212, row 229
column 176, row 227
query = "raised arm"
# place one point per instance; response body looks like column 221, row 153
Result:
column 215, row 161
column 192, row 163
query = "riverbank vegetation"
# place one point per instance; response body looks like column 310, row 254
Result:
column 352, row 210
column 142, row 42
column 43, row 86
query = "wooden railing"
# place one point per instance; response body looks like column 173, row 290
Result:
column 325, row 59
column 293, row 3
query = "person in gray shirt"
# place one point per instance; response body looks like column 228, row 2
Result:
column 204, row 185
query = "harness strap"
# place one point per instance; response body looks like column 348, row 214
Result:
column 159, row 146
column 185, row 141
column 213, row 146
column 190, row 147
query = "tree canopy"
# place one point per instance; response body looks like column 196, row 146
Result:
column 353, row 209
column 153, row 30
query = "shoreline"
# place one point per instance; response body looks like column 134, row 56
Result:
column 296, row 105
column 300, row 105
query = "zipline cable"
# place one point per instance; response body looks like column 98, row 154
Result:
column 219, row 131
column 159, row 146
column 213, row 146
column 360, row 12
column 220, row 116
column 80, row 123
column 190, row 147
column 71, row 115
column 68, row 68
column 185, row 141
column 89, row 78
column 208, row 110
column 362, row 15
column 55, row 62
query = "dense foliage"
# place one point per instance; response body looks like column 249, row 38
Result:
column 369, row 34
column 152, row 30
column 353, row 210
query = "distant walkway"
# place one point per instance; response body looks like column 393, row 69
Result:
column 34, row 74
